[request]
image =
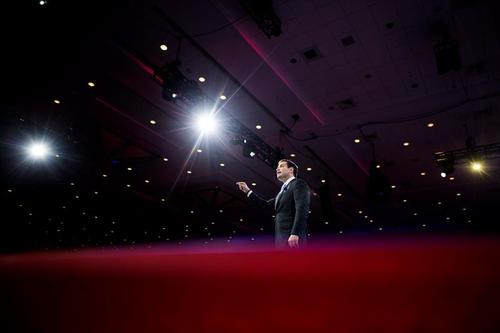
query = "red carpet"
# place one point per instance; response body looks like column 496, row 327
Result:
column 355, row 286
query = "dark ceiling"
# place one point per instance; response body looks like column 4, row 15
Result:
column 340, row 70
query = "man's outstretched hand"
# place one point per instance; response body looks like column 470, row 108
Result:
column 243, row 187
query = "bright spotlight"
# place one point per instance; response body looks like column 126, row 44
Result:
column 443, row 174
column 38, row 150
column 477, row 166
column 206, row 123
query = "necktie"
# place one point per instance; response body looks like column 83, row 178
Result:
column 283, row 189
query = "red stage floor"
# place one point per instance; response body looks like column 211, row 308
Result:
column 438, row 285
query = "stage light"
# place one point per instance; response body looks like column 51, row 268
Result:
column 91, row 84
column 163, row 47
column 152, row 122
column 477, row 166
column 38, row 150
column 430, row 125
column 56, row 101
column 258, row 127
column 406, row 144
column 223, row 97
column 292, row 155
column 357, row 140
column 443, row 174
column 252, row 154
column 201, row 79
column 206, row 123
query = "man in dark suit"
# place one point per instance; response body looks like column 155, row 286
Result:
column 291, row 205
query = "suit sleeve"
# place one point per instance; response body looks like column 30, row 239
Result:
column 302, row 200
column 255, row 198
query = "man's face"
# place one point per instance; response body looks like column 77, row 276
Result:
column 283, row 172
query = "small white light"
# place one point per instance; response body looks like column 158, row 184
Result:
column 451, row 178
column 152, row 122
column 405, row 201
column 252, row 154
column 339, row 194
column 309, row 169
column 129, row 169
column 163, row 47
column 378, row 166
column 128, row 185
column 91, row 84
column 201, row 79
column 443, row 174
column 393, row 186
column 174, row 95
column 146, row 181
column 42, row 2
column 292, row 155
column 104, row 175
column 165, row 159
column 357, row 140
column 422, row 173
column 223, row 97
column 406, row 144
column 430, row 125
column 57, row 101
column 221, row 164
column 199, row 150
column 189, row 172
column 254, row 184
column 258, row 127
column 323, row 180
column 360, row 212
column 459, row 194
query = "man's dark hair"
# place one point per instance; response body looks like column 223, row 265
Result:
column 291, row 164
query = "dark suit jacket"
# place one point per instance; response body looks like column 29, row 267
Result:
column 292, row 209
